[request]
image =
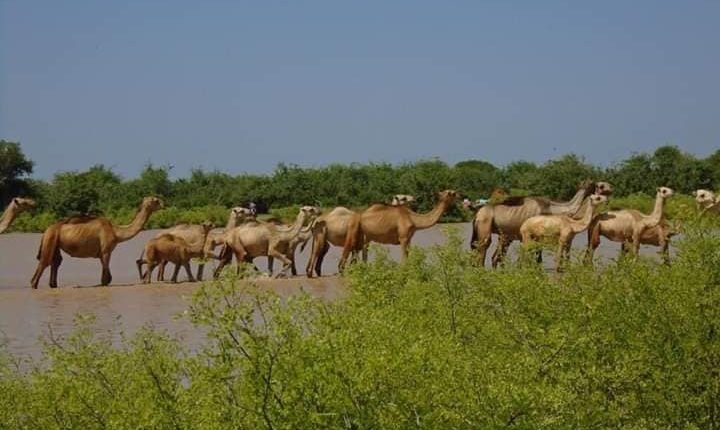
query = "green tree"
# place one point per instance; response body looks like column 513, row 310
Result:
column 14, row 166
column 476, row 178
column 560, row 177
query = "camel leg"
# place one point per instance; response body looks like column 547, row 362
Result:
column 320, row 258
column 201, row 268
column 151, row 266
column 271, row 263
column 54, row 266
column 502, row 247
column 280, row 256
column 106, row 276
column 225, row 257
column 665, row 251
column 293, row 269
column 161, row 271
column 636, row 242
column 38, row 274
column 186, row 265
column 176, row 271
column 317, row 244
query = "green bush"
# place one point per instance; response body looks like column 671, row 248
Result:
column 436, row 342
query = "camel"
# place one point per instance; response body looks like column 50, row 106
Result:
column 505, row 218
column 331, row 229
column 562, row 228
column 630, row 225
column 255, row 239
column 393, row 225
column 171, row 248
column 88, row 237
column 201, row 244
column 706, row 201
column 288, row 247
column 17, row 206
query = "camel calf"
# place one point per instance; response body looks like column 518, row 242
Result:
column 163, row 249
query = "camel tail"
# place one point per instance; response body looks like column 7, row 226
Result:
column 140, row 261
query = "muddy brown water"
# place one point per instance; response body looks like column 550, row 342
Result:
column 28, row 315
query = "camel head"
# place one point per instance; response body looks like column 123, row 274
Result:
column 665, row 192
column 603, row 188
column 447, row 196
column 704, row 198
column 402, row 200
column 152, row 204
column 241, row 214
column 597, row 199
column 23, row 204
column 207, row 226
column 309, row 213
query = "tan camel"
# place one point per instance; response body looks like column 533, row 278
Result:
column 255, row 239
column 394, row 225
column 331, row 229
column 88, row 237
column 17, row 206
column 630, row 225
column 289, row 248
column 506, row 218
column 193, row 238
column 174, row 249
column 202, row 244
column 561, row 228
column 706, row 201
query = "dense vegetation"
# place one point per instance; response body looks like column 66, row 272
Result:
column 206, row 195
column 436, row 342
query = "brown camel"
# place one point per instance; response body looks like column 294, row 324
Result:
column 506, row 218
column 88, row 237
column 394, row 225
column 630, row 225
column 193, row 238
column 706, row 201
column 201, row 244
column 171, row 248
column 331, row 229
column 255, row 239
column 562, row 228
column 15, row 208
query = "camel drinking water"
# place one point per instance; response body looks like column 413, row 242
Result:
column 88, row 237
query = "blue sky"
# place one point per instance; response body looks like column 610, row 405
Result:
column 242, row 86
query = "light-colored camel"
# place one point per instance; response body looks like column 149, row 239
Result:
column 17, row 206
column 560, row 228
column 394, row 225
column 332, row 228
column 630, row 225
column 88, row 237
column 289, row 248
column 707, row 201
column 202, row 244
column 193, row 237
column 505, row 218
column 255, row 239
column 171, row 248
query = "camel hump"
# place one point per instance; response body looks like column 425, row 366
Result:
column 79, row 219
column 513, row 201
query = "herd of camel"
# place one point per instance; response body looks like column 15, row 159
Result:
column 245, row 237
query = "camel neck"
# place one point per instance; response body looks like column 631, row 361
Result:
column 427, row 220
column 127, row 232
column 571, row 207
column 587, row 211
column 657, row 213
column 296, row 227
column 8, row 217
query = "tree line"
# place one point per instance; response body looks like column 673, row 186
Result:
column 101, row 190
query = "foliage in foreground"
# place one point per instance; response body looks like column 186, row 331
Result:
column 434, row 343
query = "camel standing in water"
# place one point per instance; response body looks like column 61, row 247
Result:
column 174, row 249
column 631, row 226
column 505, row 218
column 562, row 228
column 17, row 206
column 88, row 237
column 393, row 225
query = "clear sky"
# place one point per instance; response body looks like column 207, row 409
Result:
column 241, row 86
